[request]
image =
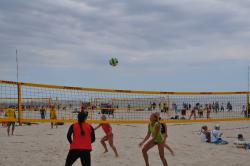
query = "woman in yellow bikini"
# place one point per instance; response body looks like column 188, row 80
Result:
column 157, row 139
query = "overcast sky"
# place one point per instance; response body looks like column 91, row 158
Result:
column 180, row 45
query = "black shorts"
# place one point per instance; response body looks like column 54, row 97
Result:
column 11, row 123
column 74, row 154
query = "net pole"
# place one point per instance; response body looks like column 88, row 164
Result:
column 17, row 68
column 19, row 107
column 248, row 84
column 247, row 106
column 57, row 101
column 50, row 102
column 91, row 108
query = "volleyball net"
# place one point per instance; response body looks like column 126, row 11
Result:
column 29, row 102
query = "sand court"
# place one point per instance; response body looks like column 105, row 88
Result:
column 39, row 145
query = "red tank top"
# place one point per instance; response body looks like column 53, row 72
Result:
column 81, row 141
column 106, row 128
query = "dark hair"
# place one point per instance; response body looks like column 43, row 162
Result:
column 82, row 116
column 204, row 127
column 240, row 136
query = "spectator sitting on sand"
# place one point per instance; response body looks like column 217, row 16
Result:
column 205, row 134
column 216, row 136
column 241, row 142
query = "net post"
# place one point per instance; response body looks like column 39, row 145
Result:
column 91, row 109
column 19, row 107
column 57, row 102
column 247, row 105
column 50, row 100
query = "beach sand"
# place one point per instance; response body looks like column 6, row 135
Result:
column 41, row 146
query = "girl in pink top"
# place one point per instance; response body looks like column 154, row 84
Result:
column 108, row 135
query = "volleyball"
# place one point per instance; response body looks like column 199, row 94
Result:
column 113, row 62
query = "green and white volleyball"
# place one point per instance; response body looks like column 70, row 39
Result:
column 113, row 61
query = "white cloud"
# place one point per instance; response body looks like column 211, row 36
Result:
column 146, row 36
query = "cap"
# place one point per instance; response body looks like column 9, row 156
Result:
column 217, row 125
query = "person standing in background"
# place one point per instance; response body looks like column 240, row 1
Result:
column 10, row 114
column 53, row 116
column 43, row 112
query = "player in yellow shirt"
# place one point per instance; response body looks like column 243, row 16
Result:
column 53, row 115
column 10, row 114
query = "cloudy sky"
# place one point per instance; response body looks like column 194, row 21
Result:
column 180, row 45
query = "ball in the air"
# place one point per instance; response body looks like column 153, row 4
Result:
column 113, row 62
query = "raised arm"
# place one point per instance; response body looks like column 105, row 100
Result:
column 69, row 134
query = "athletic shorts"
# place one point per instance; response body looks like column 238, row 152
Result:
column 11, row 123
column 74, row 154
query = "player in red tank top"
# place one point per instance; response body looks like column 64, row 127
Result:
column 108, row 137
column 83, row 136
